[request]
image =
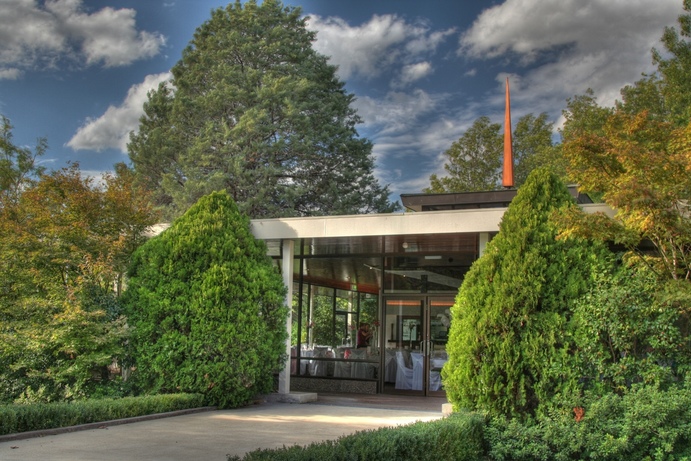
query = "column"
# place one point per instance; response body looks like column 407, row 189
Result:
column 288, row 255
column 484, row 240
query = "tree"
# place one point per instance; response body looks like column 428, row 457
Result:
column 510, row 342
column 63, row 245
column 674, row 68
column 256, row 111
column 206, row 305
column 641, row 166
column 18, row 167
column 583, row 114
column 636, row 156
column 633, row 325
column 533, row 148
column 474, row 160
column 644, row 96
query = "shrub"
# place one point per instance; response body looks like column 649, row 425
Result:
column 206, row 305
column 646, row 424
column 458, row 437
column 510, row 343
column 632, row 327
column 32, row 417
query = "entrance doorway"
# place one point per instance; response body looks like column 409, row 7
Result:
column 415, row 333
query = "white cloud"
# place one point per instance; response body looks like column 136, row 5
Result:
column 404, row 134
column 112, row 129
column 10, row 74
column 40, row 35
column 572, row 45
column 420, row 143
column 398, row 111
column 370, row 49
column 412, row 73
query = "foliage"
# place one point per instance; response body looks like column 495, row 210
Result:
column 324, row 332
column 641, row 166
column 632, row 327
column 636, row 156
column 23, row 418
column 510, row 341
column 64, row 244
column 644, row 96
column 18, row 166
column 584, row 115
column 647, row 424
column 674, row 67
column 533, row 148
column 206, row 305
column 458, row 437
column 473, row 162
column 254, row 110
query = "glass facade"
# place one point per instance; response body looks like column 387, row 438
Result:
column 347, row 324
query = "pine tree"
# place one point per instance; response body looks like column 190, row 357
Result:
column 254, row 110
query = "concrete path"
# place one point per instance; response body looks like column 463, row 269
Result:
column 212, row 435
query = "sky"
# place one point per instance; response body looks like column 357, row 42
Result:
column 77, row 71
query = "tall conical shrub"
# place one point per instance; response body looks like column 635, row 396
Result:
column 510, row 340
column 206, row 306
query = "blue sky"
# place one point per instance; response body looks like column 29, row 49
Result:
column 77, row 71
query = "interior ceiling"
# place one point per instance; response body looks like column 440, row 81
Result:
column 426, row 243
column 343, row 262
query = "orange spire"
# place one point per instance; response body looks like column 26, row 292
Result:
column 507, row 177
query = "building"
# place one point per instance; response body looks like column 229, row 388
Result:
column 398, row 272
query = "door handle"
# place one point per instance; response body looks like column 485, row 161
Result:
column 426, row 347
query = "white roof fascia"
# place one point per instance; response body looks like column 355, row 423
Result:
column 428, row 222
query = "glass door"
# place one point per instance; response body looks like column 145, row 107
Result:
column 439, row 322
column 415, row 331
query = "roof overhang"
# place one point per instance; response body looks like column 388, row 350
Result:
column 431, row 222
column 472, row 200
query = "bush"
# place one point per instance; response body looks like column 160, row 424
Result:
column 632, row 327
column 206, row 305
column 23, row 418
column 456, row 438
column 510, row 343
column 646, row 424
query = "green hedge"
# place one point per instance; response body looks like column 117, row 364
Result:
column 458, row 437
column 646, row 424
column 23, row 418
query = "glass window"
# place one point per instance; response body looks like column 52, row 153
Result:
column 423, row 273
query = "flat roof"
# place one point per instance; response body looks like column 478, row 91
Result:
column 431, row 222
column 469, row 200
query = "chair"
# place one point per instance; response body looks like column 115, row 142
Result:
column 361, row 370
column 343, row 369
column 437, row 364
column 404, row 374
column 318, row 367
column 434, row 380
column 390, row 366
column 418, row 367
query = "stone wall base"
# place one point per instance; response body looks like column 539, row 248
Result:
column 302, row 384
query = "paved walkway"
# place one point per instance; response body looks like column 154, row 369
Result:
column 211, row 435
